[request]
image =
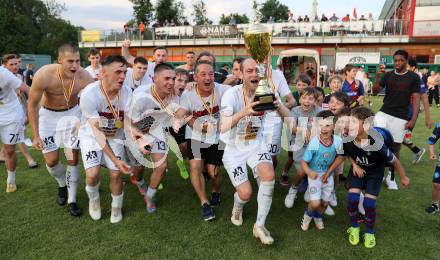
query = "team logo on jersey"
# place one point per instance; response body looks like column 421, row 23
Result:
column 91, row 155
column 49, row 141
column 238, row 174
column 313, row 190
column 326, row 155
column 362, row 160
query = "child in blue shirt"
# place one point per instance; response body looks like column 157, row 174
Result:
column 318, row 156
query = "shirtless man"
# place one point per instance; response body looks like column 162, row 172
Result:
column 55, row 124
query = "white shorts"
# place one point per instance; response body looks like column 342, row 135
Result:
column 395, row 125
column 137, row 159
column 12, row 133
column 272, row 138
column 319, row 190
column 236, row 162
column 57, row 129
column 92, row 157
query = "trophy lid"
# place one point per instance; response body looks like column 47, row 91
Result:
column 255, row 27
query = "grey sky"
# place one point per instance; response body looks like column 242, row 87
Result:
column 112, row 14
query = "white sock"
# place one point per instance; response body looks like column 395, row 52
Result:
column 361, row 204
column 11, row 177
column 238, row 203
column 58, row 173
column 151, row 192
column 264, row 199
column 93, row 191
column 117, row 200
column 72, row 179
column 141, row 184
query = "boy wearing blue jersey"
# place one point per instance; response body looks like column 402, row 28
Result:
column 318, row 156
column 434, row 208
column 371, row 156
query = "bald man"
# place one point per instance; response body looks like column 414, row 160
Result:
column 54, row 116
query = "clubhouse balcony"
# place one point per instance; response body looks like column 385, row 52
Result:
column 315, row 33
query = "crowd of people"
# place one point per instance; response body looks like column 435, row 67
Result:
column 125, row 113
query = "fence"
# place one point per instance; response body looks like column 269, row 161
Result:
column 302, row 29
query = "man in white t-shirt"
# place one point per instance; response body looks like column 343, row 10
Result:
column 11, row 121
column 137, row 75
column 94, row 69
column 202, row 134
column 241, row 131
column 54, row 116
column 160, row 55
column 148, row 118
column 273, row 124
column 102, row 134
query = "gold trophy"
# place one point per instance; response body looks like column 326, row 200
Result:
column 258, row 42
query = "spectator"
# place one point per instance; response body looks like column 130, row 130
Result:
column 141, row 30
column 306, row 19
column 370, row 17
column 321, row 77
column 334, row 18
column 324, row 18
column 172, row 23
column 346, row 18
column 290, row 17
column 29, row 74
column 126, row 31
column 316, row 19
column 186, row 23
column 271, row 20
column 299, row 19
column 433, row 85
column 311, row 72
column 166, row 23
column 362, row 18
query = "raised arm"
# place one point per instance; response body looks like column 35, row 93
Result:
column 126, row 53
column 377, row 87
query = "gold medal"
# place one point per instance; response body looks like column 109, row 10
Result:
column 116, row 114
column 118, row 124
column 67, row 92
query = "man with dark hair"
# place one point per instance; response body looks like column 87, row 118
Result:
column 137, row 75
column 190, row 58
column 235, row 77
column 207, row 56
column 160, row 55
column 149, row 116
column 202, row 134
column 94, row 69
column 53, row 112
column 101, row 133
column 401, row 88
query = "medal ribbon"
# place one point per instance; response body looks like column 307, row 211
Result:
column 161, row 102
column 209, row 109
column 107, row 100
column 67, row 94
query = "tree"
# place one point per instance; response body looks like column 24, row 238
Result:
column 239, row 18
column 34, row 26
column 200, row 13
column 170, row 10
column 143, row 11
column 274, row 8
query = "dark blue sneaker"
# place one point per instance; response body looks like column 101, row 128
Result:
column 207, row 212
column 215, row 198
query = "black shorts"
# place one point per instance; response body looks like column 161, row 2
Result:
column 210, row 153
column 179, row 136
column 370, row 183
